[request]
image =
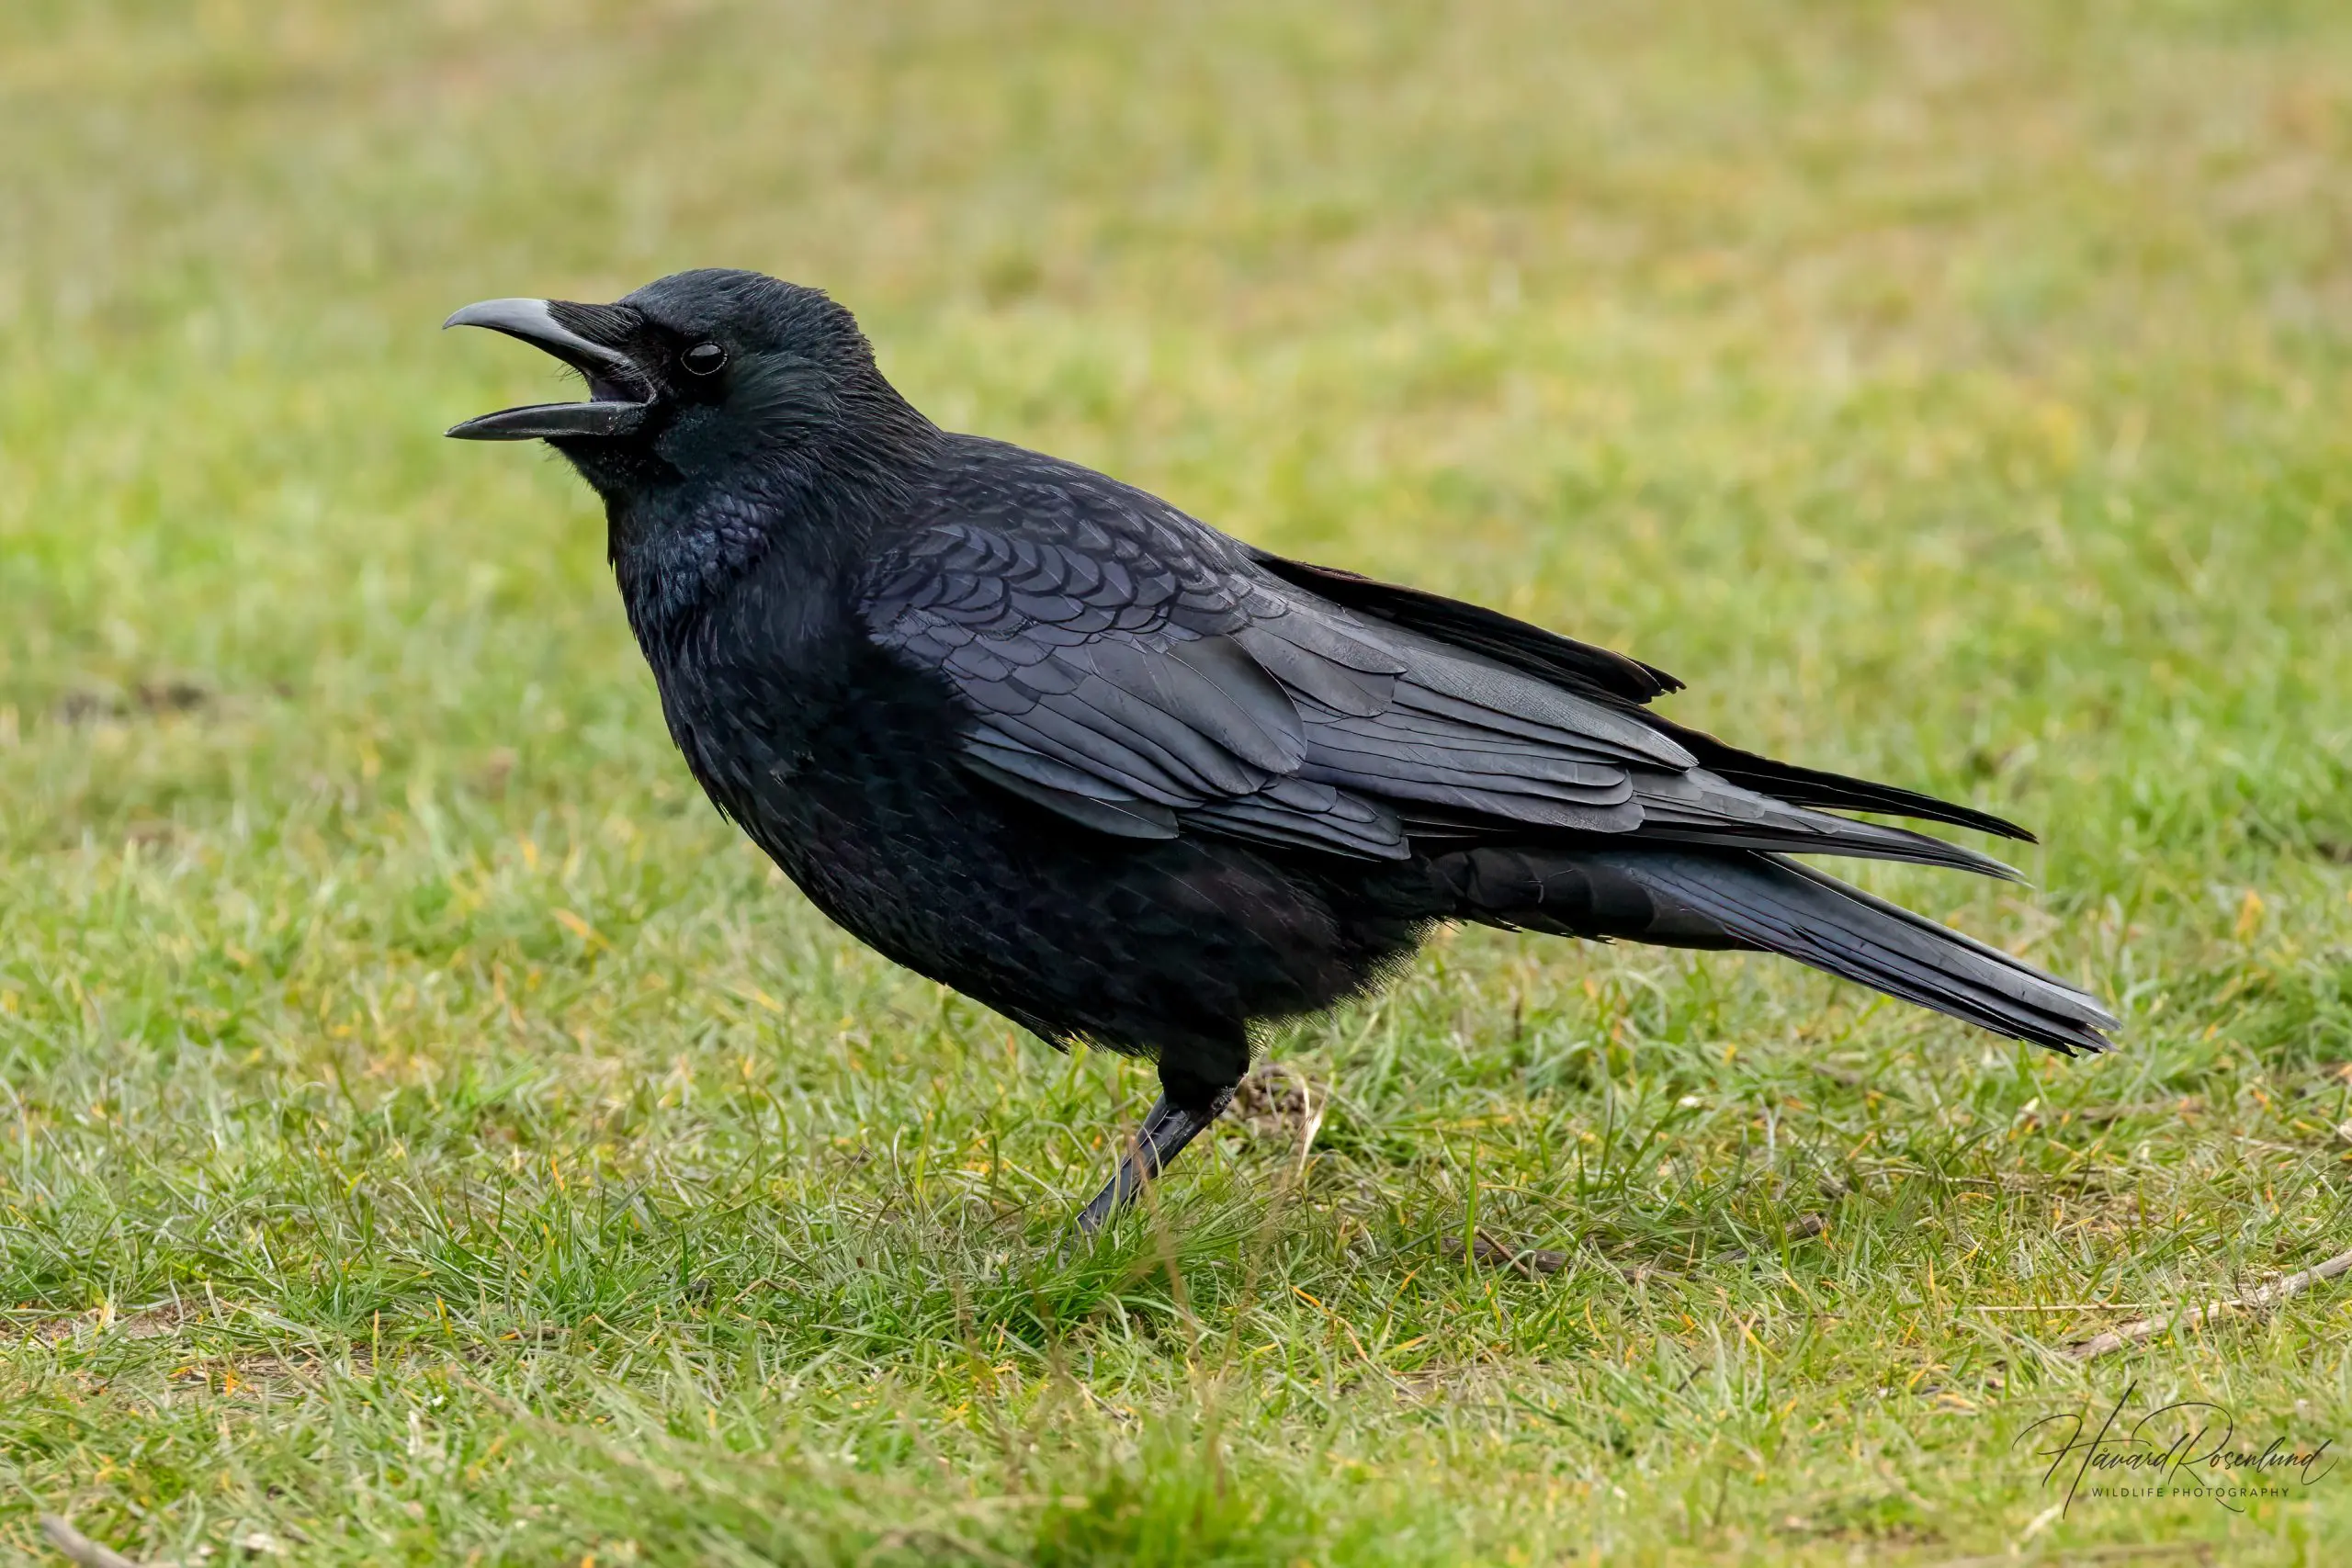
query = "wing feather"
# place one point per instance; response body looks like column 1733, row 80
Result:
column 1145, row 676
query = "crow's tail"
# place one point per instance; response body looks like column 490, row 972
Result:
column 1767, row 903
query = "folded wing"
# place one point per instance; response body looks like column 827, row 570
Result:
column 1143, row 676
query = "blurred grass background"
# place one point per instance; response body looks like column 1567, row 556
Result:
column 430, row 1136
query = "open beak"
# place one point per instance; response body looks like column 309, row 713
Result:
column 583, row 336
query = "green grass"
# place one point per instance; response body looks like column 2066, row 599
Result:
column 430, row 1136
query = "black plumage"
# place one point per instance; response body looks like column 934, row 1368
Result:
column 1044, row 738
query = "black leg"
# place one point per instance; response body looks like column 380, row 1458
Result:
column 1167, row 1129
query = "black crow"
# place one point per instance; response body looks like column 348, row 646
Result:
column 1047, row 739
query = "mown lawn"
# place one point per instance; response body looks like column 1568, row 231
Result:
column 430, row 1136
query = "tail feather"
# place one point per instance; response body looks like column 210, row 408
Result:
column 1770, row 904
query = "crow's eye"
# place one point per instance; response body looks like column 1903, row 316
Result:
column 703, row 359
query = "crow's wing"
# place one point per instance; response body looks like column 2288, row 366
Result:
column 1140, row 673
column 1579, row 666
column 1097, row 637
column 1612, row 677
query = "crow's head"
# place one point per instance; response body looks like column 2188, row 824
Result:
column 700, row 376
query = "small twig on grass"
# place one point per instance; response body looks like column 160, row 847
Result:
column 1531, row 1262
column 2269, row 1295
column 1806, row 1227
column 81, row 1548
